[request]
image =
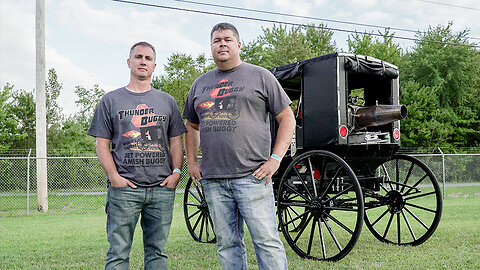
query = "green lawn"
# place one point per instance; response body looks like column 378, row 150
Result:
column 78, row 241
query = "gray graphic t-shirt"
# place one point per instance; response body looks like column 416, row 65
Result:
column 234, row 109
column 139, row 126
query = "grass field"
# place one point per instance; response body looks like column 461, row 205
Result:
column 78, row 241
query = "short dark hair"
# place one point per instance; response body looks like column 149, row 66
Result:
column 225, row 26
column 145, row 44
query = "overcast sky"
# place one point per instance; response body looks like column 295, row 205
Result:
column 87, row 41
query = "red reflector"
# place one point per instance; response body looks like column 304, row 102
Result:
column 396, row 134
column 298, row 166
column 343, row 131
column 316, row 174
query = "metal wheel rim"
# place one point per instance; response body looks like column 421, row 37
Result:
column 330, row 223
column 410, row 206
column 197, row 216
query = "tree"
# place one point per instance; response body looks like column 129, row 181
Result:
column 279, row 46
column 18, row 117
column 449, row 76
column 73, row 136
column 424, row 125
column 384, row 49
column 52, row 91
column 22, row 110
column 9, row 131
column 73, row 132
column 87, row 101
column 181, row 71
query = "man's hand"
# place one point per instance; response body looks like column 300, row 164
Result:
column 106, row 159
column 194, row 171
column 286, row 127
column 171, row 181
column 267, row 169
column 119, row 181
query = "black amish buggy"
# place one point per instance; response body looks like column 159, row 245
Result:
column 342, row 169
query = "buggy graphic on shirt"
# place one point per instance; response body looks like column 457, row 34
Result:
column 220, row 113
column 223, row 108
column 146, row 138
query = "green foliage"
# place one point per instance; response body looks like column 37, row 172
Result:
column 22, row 110
column 52, row 91
column 181, row 71
column 422, row 104
column 447, row 77
column 87, row 101
column 72, row 136
column 9, row 131
column 280, row 46
column 13, row 175
column 18, row 117
column 384, row 49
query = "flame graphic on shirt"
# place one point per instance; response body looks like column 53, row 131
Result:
column 132, row 133
column 207, row 104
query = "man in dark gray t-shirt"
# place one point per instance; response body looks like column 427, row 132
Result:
column 228, row 112
column 138, row 132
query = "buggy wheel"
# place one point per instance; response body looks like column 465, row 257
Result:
column 408, row 207
column 233, row 113
column 142, row 144
column 320, row 206
column 197, row 215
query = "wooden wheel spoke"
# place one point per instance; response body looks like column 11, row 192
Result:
column 339, row 223
column 298, row 217
column 421, row 207
column 332, row 234
column 408, row 225
column 304, row 226
column 195, row 196
column 195, row 213
column 380, row 217
column 388, row 226
column 416, row 218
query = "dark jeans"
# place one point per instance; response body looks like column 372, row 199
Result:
column 124, row 206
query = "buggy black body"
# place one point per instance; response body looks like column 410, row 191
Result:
column 342, row 170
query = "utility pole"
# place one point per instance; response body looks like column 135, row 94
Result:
column 41, row 118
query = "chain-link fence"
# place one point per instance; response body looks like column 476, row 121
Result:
column 450, row 165
column 78, row 184
column 75, row 185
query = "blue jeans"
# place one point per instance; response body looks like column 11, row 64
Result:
column 233, row 201
column 124, row 206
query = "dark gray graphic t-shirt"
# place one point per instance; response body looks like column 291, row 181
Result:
column 139, row 126
column 233, row 109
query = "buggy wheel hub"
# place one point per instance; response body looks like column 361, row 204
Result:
column 203, row 207
column 395, row 201
column 318, row 209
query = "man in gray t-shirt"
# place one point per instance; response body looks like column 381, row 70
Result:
column 233, row 110
column 140, row 126
column 228, row 112
column 138, row 133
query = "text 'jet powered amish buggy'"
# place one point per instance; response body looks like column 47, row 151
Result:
column 342, row 169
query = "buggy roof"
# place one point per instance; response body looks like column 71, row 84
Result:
column 290, row 75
